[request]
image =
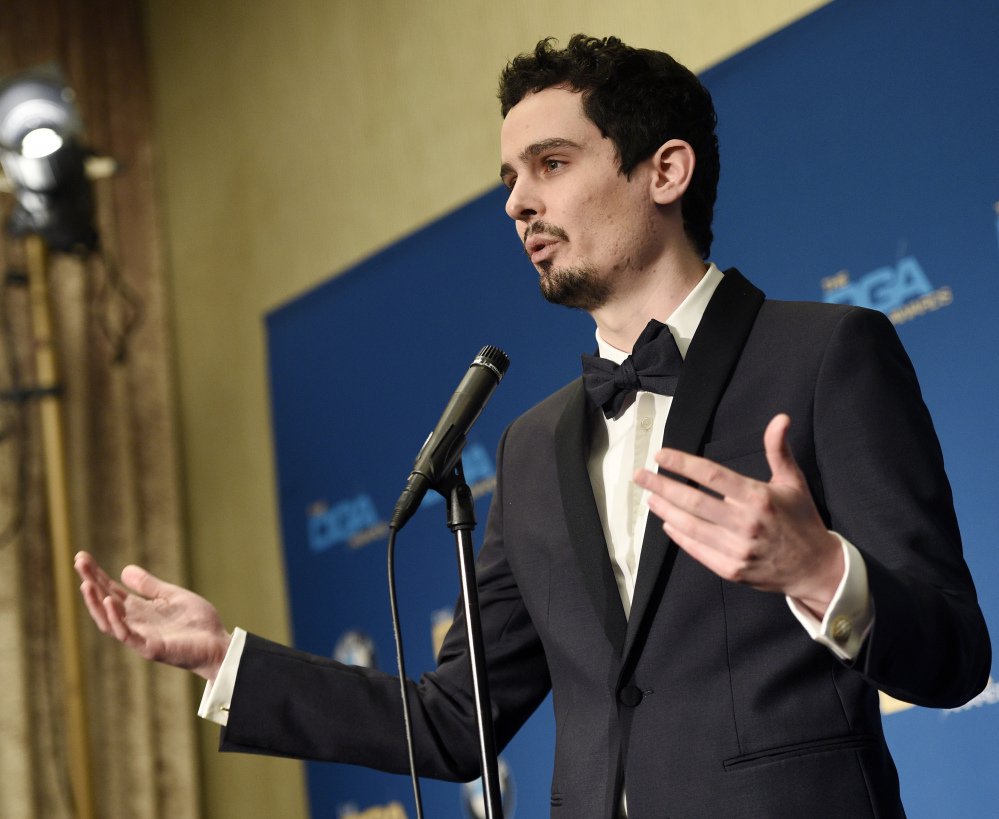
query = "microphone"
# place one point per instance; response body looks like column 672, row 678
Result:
column 442, row 449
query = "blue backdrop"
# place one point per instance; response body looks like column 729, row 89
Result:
column 859, row 164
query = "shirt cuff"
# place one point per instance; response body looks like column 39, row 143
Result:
column 850, row 615
column 218, row 695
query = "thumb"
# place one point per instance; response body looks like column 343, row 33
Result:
column 138, row 580
column 783, row 467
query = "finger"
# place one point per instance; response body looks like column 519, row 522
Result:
column 120, row 628
column 712, row 559
column 142, row 582
column 705, row 472
column 690, row 499
column 89, row 570
column 84, row 566
column 783, row 467
column 694, row 528
column 142, row 639
column 93, row 599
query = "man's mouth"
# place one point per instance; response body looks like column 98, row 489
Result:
column 541, row 240
column 539, row 248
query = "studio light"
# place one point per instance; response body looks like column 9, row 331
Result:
column 44, row 161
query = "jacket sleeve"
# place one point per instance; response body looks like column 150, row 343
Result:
column 885, row 490
column 289, row 703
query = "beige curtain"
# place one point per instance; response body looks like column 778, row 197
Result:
column 113, row 332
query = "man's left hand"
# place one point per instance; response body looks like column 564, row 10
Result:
column 767, row 535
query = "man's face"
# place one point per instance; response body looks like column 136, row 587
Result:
column 587, row 228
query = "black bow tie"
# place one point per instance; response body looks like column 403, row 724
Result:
column 653, row 366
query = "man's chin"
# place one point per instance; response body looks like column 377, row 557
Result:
column 580, row 289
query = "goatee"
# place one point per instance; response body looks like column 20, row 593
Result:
column 578, row 287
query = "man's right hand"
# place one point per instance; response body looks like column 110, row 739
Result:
column 157, row 620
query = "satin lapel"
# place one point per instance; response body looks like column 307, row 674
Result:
column 586, row 533
column 713, row 354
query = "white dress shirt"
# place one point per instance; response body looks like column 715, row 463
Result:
column 631, row 439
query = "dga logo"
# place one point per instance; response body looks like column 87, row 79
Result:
column 356, row 648
column 473, row 801
column 353, row 521
column 393, row 810
column 356, row 522
column 902, row 291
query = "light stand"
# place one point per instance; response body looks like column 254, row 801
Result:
column 45, row 167
column 50, row 410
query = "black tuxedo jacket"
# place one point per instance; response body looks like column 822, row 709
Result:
column 711, row 700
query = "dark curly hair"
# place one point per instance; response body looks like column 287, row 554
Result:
column 639, row 99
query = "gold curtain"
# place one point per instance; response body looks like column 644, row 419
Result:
column 112, row 328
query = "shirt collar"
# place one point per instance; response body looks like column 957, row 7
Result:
column 683, row 321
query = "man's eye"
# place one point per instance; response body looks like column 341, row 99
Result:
column 553, row 164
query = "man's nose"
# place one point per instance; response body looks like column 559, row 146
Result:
column 523, row 203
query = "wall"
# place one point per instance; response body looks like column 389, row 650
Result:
column 295, row 138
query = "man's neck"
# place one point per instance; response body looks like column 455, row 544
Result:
column 622, row 320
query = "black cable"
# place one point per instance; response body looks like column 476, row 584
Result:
column 110, row 286
column 397, row 631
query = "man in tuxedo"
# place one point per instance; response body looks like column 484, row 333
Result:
column 718, row 658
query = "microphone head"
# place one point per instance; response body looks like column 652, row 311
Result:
column 493, row 358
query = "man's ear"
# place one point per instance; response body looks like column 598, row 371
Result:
column 672, row 168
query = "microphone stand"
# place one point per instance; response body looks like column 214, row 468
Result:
column 461, row 521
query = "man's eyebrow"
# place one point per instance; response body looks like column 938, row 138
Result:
column 536, row 148
column 544, row 145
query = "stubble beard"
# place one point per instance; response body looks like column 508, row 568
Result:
column 580, row 287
